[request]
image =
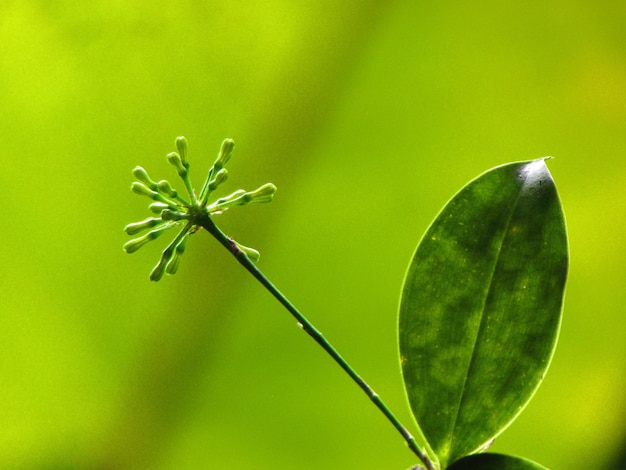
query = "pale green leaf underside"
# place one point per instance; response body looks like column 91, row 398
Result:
column 481, row 307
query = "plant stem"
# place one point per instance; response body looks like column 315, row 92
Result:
column 207, row 223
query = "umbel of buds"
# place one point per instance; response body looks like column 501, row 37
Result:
column 171, row 209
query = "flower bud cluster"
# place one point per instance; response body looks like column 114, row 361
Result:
column 171, row 209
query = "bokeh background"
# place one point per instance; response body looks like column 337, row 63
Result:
column 368, row 116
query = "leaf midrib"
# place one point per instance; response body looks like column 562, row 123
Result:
column 482, row 319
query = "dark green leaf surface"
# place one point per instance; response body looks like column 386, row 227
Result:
column 494, row 462
column 481, row 307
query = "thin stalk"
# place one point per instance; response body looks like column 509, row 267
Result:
column 314, row 333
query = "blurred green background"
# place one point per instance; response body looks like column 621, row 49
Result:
column 368, row 116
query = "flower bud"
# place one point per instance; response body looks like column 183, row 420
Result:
column 132, row 229
column 142, row 175
column 175, row 160
column 142, row 189
column 157, row 207
column 225, row 153
column 181, row 145
column 164, row 187
column 135, row 244
column 159, row 269
column 221, row 176
column 263, row 194
column 172, row 266
column 249, row 252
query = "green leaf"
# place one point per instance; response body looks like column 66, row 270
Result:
column 494, row 462
column 481, row 307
